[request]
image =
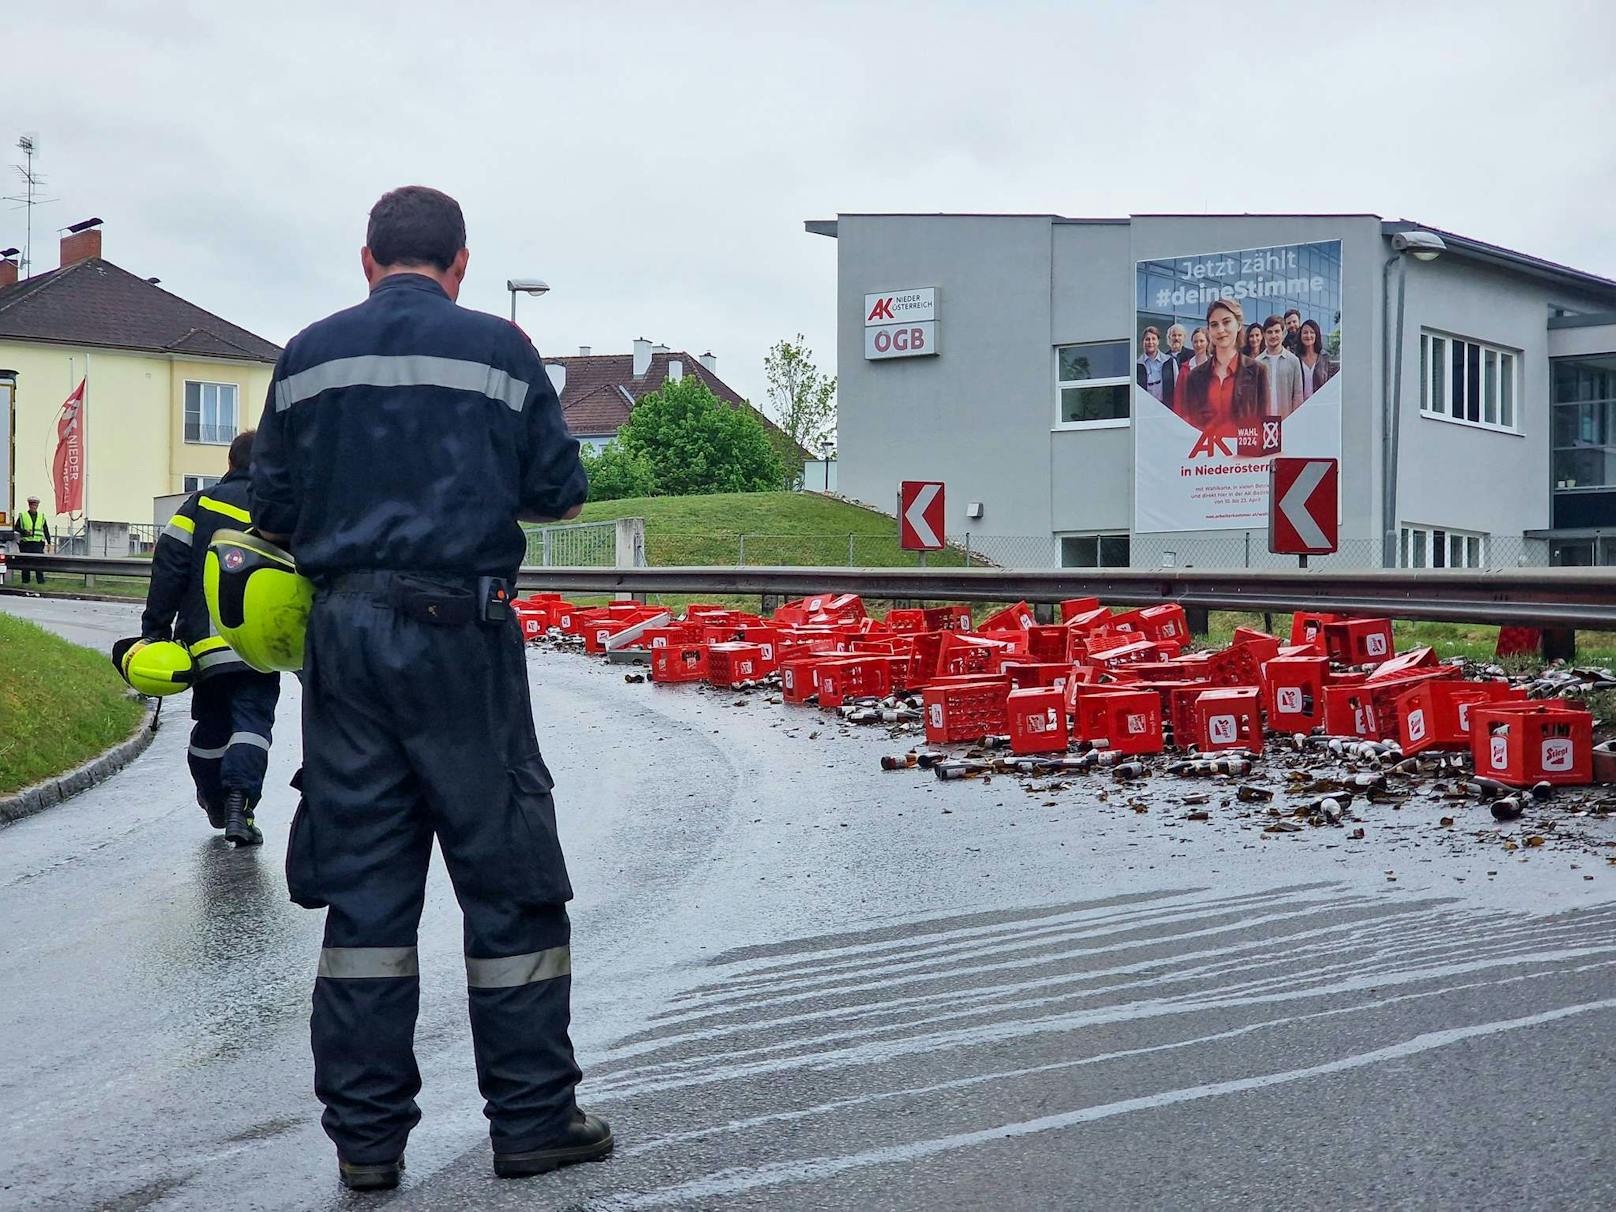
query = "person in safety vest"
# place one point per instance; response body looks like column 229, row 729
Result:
column 402, row 441
column 33, row 533
column 232, row 705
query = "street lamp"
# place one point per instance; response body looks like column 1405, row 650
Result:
column 1422, row 246
column 524, row 286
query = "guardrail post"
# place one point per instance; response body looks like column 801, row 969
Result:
column 630, row 550
column 1558, row 644
column 1198, row 619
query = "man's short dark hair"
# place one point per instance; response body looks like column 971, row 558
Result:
column 1291, row 311
column 241, row 450
column 1272, row 321
column 416, row 225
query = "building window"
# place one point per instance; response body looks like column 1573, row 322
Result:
column 1094, row 384
column 210, row 413
column 1583, row 395
column 1435, row 547
column 1094, row 551
column 1469, row 382
column 193, row 483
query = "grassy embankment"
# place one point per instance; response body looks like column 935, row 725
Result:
column 60, row 704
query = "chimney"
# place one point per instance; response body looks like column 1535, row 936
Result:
column 583, row 351
column 676, row 370
column 8, row 273
column 82, row 244
column 642, row 357
column 558, row 376
column 709, row 362
column 659, row 348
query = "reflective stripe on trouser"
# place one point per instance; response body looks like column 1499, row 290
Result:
column 234, row 716
column 393, row 754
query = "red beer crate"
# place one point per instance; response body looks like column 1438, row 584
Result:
column 1436, row 713
column 965, row 710
column 533, row 618
column 600, row 629
column 1307, row 626
column 1128, row 721
column 1086, row 622
column 1036, row 720
column 799, row 678
column 1236, row 665
column 969, row 654
column 1359, row 641
column 1549, row 741
column 904, row 619
column 1404, row 662
column 853, row 677
column 679, row 662
column 1047, row 643
column 1181, row 711
column 1123, row 622
column 1349, row 710
column 1293, row 692
column 734, row 662
column 835, row 605
column 1012, row 618
column 1263, row 646
column 1229, row 718
column 948, row 618
column 1072, row 607
column 1137, row 652
column 1165, row 623
column 1028, row 675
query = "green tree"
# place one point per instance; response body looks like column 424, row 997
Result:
column 615, row 473
column 694, row 444
column 803, row 402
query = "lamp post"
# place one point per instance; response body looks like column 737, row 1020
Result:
column 1422, row 246
column 524, row 286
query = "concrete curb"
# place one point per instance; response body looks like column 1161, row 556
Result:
column 53, row 791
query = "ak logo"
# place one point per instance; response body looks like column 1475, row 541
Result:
column 881, row 311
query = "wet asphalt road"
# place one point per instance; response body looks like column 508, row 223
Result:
column 801, row 983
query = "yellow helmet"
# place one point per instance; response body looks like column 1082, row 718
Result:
column 155, row 667
column 259, row 603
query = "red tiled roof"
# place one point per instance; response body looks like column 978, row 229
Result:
column 595, row 398
column 94, row 302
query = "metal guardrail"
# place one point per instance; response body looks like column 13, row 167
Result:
column 1577, row 598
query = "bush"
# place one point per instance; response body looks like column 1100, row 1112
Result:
column 616, row 473
column 692, row 444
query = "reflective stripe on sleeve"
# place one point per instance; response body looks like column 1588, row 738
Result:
column 509, row 971
column 402, row 370
column 212, row 660
column 367, row 963
column 248, row 738
column 207, row 644
column 180, row 527
column 229, row 511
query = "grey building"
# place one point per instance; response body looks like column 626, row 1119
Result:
column 1005, row 355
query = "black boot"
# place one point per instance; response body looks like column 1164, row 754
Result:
column 239, row 827
column 376, row 1176
column 216, row 813
column 587, row 1138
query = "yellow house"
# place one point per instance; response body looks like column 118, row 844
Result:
column 169, row 384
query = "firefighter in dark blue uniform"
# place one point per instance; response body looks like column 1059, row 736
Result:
column 402, row 441
column 232, row 705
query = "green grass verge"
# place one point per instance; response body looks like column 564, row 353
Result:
column 60, row 704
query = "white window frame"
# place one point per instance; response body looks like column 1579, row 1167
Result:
column 1499, row 387
column 1416, row 546
column 195, row 483
column 1126, row 380
column 217, row 390
column 1096, row 535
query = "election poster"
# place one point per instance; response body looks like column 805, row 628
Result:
column 1237, row 358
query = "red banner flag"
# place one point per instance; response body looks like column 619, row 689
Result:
column 67, row 470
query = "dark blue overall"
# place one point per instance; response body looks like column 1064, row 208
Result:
column 401, row 440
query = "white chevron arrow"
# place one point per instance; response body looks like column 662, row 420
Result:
column 915, row 515
column 1294, row 505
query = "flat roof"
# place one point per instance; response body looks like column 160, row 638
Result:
column 1463, row 246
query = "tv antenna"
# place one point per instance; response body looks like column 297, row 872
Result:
column 33, row 184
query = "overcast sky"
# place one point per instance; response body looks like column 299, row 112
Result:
column 655, row 162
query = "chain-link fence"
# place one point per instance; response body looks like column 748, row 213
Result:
column 582, row 545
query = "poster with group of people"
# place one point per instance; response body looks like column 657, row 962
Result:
column 1237, row 359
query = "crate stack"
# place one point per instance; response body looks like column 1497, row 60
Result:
column 1122, row 681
